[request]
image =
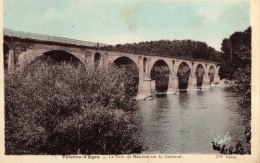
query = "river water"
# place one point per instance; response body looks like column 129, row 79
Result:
column 189, row 122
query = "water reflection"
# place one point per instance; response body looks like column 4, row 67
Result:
column 156, row 123
column 187, row 122
column 162, row 95
column 184, row 100
column 200, row 92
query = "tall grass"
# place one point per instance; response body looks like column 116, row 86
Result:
column 61, row 109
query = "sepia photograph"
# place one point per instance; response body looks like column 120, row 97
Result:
column 127, row 79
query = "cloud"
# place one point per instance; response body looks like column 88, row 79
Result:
column 210, row 14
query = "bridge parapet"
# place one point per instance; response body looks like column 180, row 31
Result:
column 41, row 37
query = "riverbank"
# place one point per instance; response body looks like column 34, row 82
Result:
column 226, row 83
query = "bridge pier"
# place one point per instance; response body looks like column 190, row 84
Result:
column 192, row 82
column 216, row 76
column 216, row 79
column 146, row 88
column 173, row 84
column 206, row 81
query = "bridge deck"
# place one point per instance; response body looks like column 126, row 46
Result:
column 55, row 39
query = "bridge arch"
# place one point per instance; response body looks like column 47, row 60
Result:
column 97, row 60
column 160, row 72
column 199, row 73
column 29, row 56
column 211, row 66
column 153, row 61
column 132, row 72
column 202, row 65
column 183, row 74
column 114, row 59
column 51, row 56
column 59, row 56
column 181, row 62
column 39, row 49
column 211, row 72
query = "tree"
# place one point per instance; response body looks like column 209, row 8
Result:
column 60, row 109
column 237, row 63
column 236, row 53
column 176, row 48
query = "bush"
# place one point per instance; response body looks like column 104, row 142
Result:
column 61, row 109
column 243, row 85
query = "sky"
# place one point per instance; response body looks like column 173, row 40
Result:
column 114, row 22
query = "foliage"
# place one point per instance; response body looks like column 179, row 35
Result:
column 60, row 109
column 243, row 85
column 177, row 48
column 243, row 75
column 237, row 55
column 236, row 66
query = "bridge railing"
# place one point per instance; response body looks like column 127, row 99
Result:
column 40, row 37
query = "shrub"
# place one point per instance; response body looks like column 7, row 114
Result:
column 62, row 109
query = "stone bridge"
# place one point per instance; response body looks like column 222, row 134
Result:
column 21, row 48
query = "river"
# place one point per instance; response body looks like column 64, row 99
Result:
column 189, row 122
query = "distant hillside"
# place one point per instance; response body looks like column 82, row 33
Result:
column 178, row 48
